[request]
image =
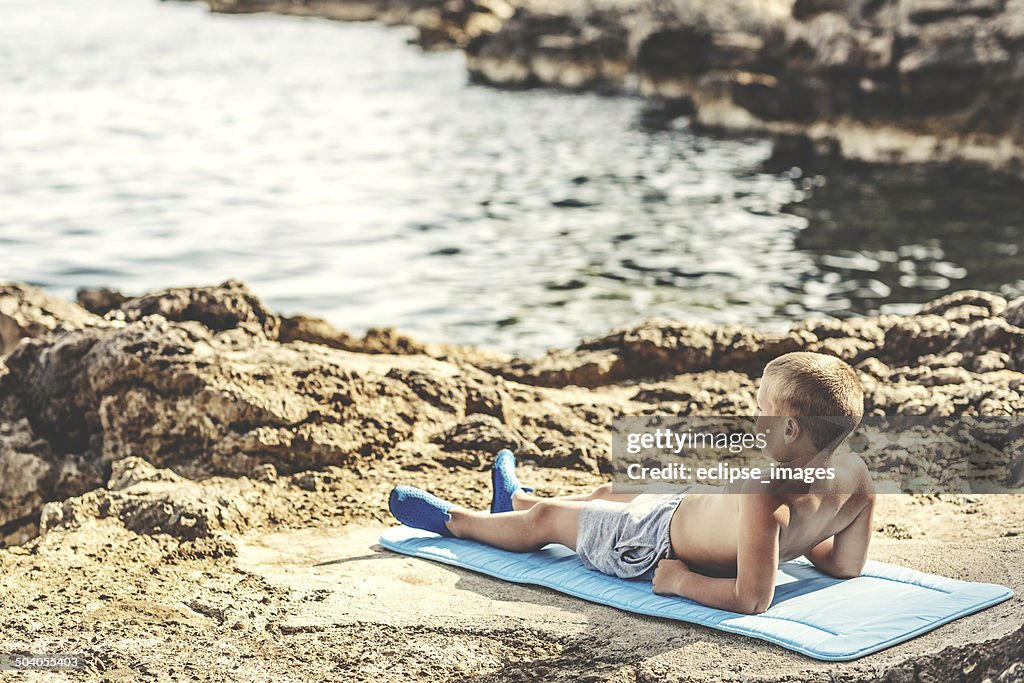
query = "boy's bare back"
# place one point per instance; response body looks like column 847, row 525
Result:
column 807, row 405
column 705, row 530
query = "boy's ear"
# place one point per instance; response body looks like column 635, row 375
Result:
column 791, row 430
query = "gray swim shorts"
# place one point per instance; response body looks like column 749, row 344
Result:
column 629, row 541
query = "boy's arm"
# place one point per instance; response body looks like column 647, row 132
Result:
column 843, row 556
column 757, row 561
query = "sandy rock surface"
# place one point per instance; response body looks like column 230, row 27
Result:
column 193, row 487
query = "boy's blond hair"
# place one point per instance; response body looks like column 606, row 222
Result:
column 822, row 392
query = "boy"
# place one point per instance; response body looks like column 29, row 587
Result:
column 718, row 549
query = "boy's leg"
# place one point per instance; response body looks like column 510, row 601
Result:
column 549, row 520
column 524, row 501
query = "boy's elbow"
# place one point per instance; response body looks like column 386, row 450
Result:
column 845, row 574
column 754, row 604
column 848, row 571
column 754, row 607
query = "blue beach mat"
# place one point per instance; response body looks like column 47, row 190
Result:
column 812, row 613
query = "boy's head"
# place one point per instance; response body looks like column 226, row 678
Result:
column 812, row 395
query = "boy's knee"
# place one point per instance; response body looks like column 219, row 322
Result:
column 602, row 491
column 541, row 512
column 553, row 522
column 541, row 516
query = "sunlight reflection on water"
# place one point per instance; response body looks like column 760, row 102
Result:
column 343, row 173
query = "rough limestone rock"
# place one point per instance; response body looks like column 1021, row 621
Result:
column 31, row 473
column 210, row 393
column 561, row 368
column 560, row 50
column 148, row 500
column 227, row 306
column 100, row 301
column 1014, row 313
column 27, row 311
column 663, row 348
column 201, row 380
column 968, row 335
column 441, row 23
column 319, row 331
column 890, row 81
column 25, row 462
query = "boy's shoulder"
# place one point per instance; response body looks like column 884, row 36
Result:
column 852, row 474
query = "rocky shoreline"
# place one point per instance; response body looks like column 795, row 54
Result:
column 209, row 382
column 890, row 81
column 181, row 429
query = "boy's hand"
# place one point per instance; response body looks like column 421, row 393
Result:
column 667, row 576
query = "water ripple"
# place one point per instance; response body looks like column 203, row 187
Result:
column 343, row 173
